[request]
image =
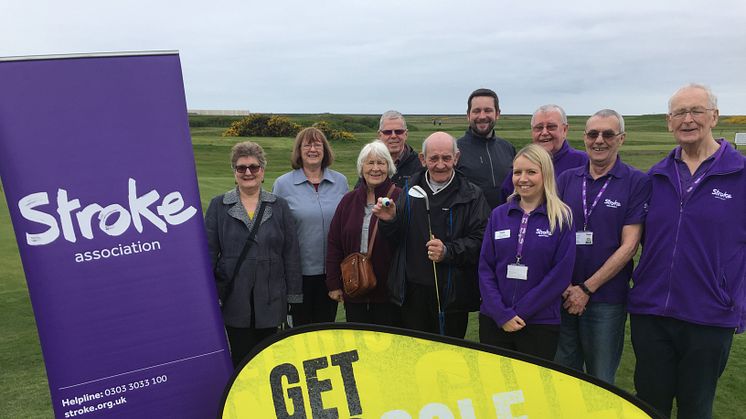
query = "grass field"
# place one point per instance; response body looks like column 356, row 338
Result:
column 23, row 385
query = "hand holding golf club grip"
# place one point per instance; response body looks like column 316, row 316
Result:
column 435, row 249
column 385, row 212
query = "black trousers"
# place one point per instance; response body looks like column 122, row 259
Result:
column 316, row 307
column 420, row 312
column 243, row 339
column 678, row 359
column 539, row 340
column 384, row 314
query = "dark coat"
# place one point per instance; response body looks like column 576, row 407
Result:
column 457, row 273
column 486, row 161
column 271, row 270
column 344, row 239
column 407, row 167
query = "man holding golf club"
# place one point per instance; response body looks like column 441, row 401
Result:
column 438, row 225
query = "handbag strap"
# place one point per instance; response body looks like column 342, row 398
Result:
column 252, row 234
column 375, row 227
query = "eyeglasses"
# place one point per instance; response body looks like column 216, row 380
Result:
column 254, row 168
column 549, row 127
column 696, row 112
column 392, row 131
column 606, row 134
column 308, row 146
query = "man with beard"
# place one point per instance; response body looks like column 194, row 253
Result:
column 485, row 158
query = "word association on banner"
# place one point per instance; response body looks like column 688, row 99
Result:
column 113, row 219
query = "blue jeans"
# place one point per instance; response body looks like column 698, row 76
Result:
column 594, row 340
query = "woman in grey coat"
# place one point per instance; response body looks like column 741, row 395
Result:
column 255, row 301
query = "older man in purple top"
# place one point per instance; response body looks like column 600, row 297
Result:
column 549, row 129
column 689, row 290
column 608, row 200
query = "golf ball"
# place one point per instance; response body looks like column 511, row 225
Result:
column 386, row 202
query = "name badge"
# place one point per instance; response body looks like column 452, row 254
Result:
column 583, row 238
column 517, row 271
column 502, row 234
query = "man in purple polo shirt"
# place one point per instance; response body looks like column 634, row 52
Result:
column 690, row 287
column 608, row 199
column 549, row 129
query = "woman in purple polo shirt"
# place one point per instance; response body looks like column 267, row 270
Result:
column 527, row 258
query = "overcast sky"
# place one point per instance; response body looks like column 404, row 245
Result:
column 417, row 56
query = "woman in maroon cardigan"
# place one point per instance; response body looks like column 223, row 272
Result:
column 351, row 227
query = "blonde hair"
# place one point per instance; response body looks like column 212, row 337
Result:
column 558, row 212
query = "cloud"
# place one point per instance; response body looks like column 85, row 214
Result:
column 415, row 56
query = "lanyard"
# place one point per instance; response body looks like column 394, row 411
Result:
column 587, row 212
column 521, row 236
column 684, row 195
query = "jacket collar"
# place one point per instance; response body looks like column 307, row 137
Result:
column 564, row 149
column 731, row 161
column 237, row 210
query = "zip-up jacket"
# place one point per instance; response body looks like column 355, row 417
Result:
column 344, row 238
column 549, row 256
column 459, row 225
column 486, row 161
column 693, row 263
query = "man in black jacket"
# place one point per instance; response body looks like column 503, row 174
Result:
column 458, row 215
column 392, row 131
column 486, row 159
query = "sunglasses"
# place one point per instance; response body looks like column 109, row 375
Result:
column 393, row 131
column 606, row 135
column 254, row 168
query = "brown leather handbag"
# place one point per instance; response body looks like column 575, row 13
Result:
column 358, row 277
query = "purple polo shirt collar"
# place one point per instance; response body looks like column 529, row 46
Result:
column 616, row 171
column 514, row 205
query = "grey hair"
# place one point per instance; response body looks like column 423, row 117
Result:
column 550, row 108
column 376, row 149
column 711, row 98
column 608, row 113
column 248, row 149
column 453, row 140
column 391, row 115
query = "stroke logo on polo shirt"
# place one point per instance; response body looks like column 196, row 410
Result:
column 612, row 203
column 721, row 195
column 543, row 233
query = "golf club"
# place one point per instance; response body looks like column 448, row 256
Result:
column 417, row 192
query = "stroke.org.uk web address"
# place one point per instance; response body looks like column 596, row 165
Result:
column 117, row 251
column 82, row 410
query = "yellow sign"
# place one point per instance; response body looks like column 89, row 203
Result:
column 351, row 371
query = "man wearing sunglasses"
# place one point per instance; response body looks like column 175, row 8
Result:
column 392, row 131
column 689, row 289
column 549, row 129
column 608, row 199
column 486, row 159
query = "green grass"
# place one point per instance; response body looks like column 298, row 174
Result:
column 23, row 384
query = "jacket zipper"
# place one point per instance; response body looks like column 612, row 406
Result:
column 492, row 169
column 673, row 255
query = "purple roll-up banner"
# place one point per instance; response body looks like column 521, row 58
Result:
column 98, row 170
